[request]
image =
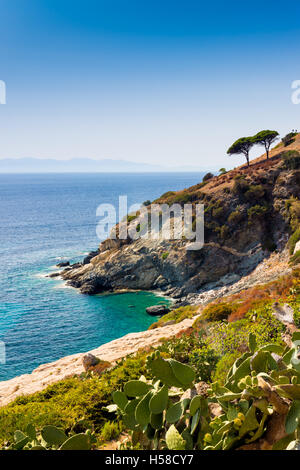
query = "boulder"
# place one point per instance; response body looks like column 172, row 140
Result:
column 95, row 365
column 157, row 310
column 89, row 360
column 63, row 264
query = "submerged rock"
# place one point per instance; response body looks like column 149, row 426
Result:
column 157, row 310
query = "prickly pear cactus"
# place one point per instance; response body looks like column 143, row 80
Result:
column 50, row 438
column 262, row 381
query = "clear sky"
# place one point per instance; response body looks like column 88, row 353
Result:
column 171, row 82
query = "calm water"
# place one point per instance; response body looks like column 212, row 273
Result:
column 47, row 218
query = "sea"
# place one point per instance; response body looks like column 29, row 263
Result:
column 49, row 218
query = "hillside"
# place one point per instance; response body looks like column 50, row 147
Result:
column 249, row 213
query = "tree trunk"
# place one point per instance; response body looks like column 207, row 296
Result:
column 267, row 151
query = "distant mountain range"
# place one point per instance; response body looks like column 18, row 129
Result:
column 83, row 165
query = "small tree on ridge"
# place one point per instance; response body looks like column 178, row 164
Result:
column 266, row 138
column 242, row 145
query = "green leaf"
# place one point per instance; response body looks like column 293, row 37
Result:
column 252, row 342
column 195, row 421
column 120, row 399
column 53, row 436
column 250, row 423
column 259, row 361
column 156, row 420
column 184, row 373
column 31, row 432
column 19, row 436
column 174, row 440
column 77, row 442
column 162, row 370
column 159, row 401
column 195, row 404
column 293, row 416
column 174, row 413
column 131, row 405
column 142, row 411
column 136, row 388
column 129, row 421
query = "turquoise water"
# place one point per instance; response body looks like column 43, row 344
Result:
column 43, row 220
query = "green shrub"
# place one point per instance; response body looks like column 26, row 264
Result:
column 111, row 430
column 167, row 194
column 256, row 212
column 207, row 177
column 231, row 337
column 255, row 192
column 240, row 185
column 165, row 255
column 289, row 138
column 223, row 366
column 224, row 232
column 291, row 160
column 217, row 312
column 193, row 350
column 235, row 217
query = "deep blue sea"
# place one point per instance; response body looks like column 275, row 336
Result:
column 48, row 218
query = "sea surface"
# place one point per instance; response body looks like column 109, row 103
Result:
column 45, row 219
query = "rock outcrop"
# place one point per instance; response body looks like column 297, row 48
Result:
column 246, row 218
column 157, row 310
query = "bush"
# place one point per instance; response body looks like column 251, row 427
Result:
column 111, row 430
column 223, row 366
column 289, row 138
column 217, row 311
column 207, row 177
column 256, row 212
column 235, row 217
column 240, row 185
column 291, row 160
column 165, row 255
column 224, row 232
column 194, row 351
column 255, row 192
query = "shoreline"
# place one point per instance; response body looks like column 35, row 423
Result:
column 46, row 374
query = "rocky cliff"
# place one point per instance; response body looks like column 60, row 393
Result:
column 249, row 213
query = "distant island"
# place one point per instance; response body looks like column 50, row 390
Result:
column 84, row 165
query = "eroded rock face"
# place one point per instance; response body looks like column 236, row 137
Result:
column 226, row 256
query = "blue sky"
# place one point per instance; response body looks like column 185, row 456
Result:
column 168, row 82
